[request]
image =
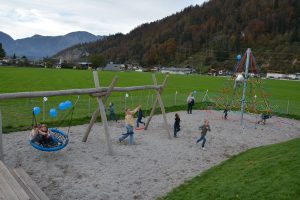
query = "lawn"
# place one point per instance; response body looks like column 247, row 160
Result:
column 284, row 95
column 270, row 172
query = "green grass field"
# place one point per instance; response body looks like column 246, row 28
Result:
column 284, row 97
column 270, row 172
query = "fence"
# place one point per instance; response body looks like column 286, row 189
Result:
column 17, row 114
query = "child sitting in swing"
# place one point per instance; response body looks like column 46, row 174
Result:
column 41, row 135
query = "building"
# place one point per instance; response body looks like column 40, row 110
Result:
column 114, row 67
column 174, row 70
column 283, row 76
column 85, row 65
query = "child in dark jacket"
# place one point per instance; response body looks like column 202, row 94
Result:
column 226, row 110
column 140, row 117
column 176, row 125
column 204, row 128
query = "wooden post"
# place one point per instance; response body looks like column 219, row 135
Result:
column 1, row 142
column 103, row 116
column 159, row 100
column 162, row 107
column 155, row 104
column 97, row 111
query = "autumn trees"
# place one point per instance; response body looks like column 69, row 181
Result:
column 224, row 28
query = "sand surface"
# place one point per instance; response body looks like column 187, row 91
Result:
column 148, row 169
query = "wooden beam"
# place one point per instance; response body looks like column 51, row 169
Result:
column 29, row 186
column 155, row 104
column 97, row 111
column 1, row 141
column 103, row 116
column 9, row 185
column 100, row 94
column 162, row 107
column 74, row 92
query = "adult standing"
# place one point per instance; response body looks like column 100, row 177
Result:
column 191, row 101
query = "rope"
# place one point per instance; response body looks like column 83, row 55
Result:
column 72, row 112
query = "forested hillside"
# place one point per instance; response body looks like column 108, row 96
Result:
column 210, row 35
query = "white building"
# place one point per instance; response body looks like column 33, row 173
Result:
column 174, row 70
column 283, row 76
column 114, row 67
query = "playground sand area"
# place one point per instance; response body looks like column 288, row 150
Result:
column 148, row 169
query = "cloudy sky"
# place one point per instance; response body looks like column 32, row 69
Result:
column 23, row 18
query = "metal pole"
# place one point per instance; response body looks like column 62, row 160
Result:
column 44, row 110
column 175, row 97
column 245, row 86
column 125, row 102
column 89, row 106
column 1, row 143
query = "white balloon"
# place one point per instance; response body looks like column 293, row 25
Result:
column 239, row 78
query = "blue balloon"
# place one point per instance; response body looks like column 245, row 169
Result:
column 62, row 106
column 36, row 110
column 53, row 112
column 68, row 104
column 238, row 57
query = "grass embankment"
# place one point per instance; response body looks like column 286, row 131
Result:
column 269, row 172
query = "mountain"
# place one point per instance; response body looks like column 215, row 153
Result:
column 39, row 46
column 209, row 36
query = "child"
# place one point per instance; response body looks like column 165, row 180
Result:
column 204, row 128
column 176, row 125
column 34, row 133
column 226, row 110
column 263, row 118
column 112, row 115
column 44, row 132
column 139, row 118
column 129, row 121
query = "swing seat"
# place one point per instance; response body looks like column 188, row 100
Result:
column 59, row 140
column 139, row 128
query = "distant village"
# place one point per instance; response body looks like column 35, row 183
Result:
column 54, row 63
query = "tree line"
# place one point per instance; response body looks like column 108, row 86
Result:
column 211, row 35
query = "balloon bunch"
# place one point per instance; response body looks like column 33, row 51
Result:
column 53, row 112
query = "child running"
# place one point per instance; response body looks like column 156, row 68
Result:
column 204, row 128
column 129, row 121
column 176, row 125
column 140, row 117
column 263, row 118
column 226, row 110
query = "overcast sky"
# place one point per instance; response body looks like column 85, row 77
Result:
column 24, row 18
